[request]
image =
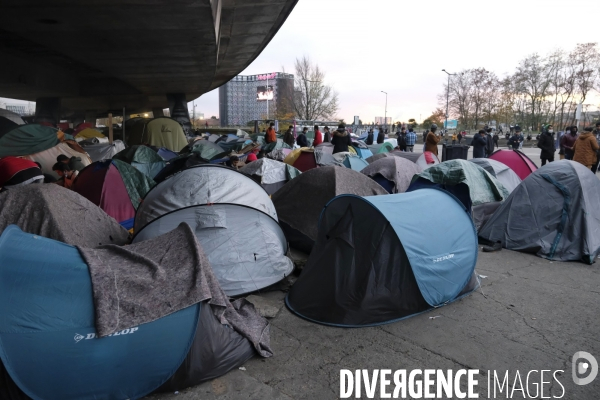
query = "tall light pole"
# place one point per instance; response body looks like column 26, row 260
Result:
column 385, row 115
column 447, row 98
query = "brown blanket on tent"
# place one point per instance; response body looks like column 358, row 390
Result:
column 143, row 282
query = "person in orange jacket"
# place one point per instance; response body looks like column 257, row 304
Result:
column 270, row 136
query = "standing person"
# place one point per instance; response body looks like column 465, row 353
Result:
column 489, row 149
column 459, row 137
column 270, row 136
column 454, row 138
column 380, row 136
column 480, row 144
column 302, row 140
column 597, row 134
column 561, row 152
column 432, row 140
column 369, row 140
column 327, row 135
column 402, row 139
column 546, row 143
column 341, row 139
column 585, row 148
column 318, row 137
column 411, row 139
column 568, row 140
column 496, row 138
column 515, row 139
column 521, row 140
column 288, row 138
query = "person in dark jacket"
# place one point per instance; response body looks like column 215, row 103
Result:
column 302, row 140
column 369, row 140
column 546, row 143
column 402, row 139
column 288, row 138
column 496, row 138
column 341, row 139
column 326, row 135
column 515, row 139
column 489, row 149
column 479, row 144
column 380, row 136
column 568, row 140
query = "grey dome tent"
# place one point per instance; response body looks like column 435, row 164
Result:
column 300, row 201
column 553, row 213
column 373, row 265
column 394, row 174
column 474, row 186
column 48, row 334
column 202, row 184
column 272, row 175
column 61, row 214
column 500, row 171
column 231, row 216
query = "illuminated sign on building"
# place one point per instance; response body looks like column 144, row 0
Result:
column 264, row 93
column 266, row 76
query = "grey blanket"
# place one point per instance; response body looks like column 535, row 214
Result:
column 57, row 213
column 145, row 281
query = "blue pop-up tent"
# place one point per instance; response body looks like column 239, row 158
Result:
column 48, row 342
column 372, row 264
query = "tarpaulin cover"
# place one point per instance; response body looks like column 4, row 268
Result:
column 47, row 333
column 500, row 171
column 398, row 171
column 203, row 184
column 60, row 214
column 102, row 151
column 300, row 202
column 27, row 139
column 516, row 160
column 47, row 158
column 483, row 187
column 246, row 248
column 373, row 264
column 553, row 213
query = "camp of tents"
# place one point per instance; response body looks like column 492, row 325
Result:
column 155, row 245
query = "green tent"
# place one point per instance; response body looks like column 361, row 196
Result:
column 159, row 132
column 143, row 158
column 208, row 150
column 27, row 139
column 384, row 147
column 483, row 187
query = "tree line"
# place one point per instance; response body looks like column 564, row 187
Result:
column 542, row 89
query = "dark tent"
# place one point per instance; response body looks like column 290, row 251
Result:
column 142, row 158
column 300, row 201
column 392, row 173
column 272, row 175
column 57, row 213
column 6, row 125
column 48, row 333
column 373, row 265
column 553, row 213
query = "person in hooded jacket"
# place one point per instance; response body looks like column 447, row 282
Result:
column 432, row 140
column 489, row 148
column 568, row 140
column 288, row 137
column 369, row 140
column 327, row 135
column 480, row 144
column 585, row 148
column 546, row 143
column 341, row 139
column 380, row 136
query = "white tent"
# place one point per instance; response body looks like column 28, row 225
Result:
column 500, row 171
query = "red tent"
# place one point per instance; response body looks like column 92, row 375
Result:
column 306, row 161
column 515, row 160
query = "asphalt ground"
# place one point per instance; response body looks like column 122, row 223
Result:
column 530, row 314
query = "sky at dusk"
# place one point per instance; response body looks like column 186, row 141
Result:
column 401, row 47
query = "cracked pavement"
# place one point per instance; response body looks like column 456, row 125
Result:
column 529, row 314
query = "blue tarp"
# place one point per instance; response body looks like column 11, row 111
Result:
column 442, row 261
column 47, row 334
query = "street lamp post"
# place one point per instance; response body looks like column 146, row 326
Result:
column 447, row 99
column 385, row 114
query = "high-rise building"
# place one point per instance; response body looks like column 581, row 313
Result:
column 255, row 97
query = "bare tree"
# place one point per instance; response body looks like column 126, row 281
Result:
column 312, row 99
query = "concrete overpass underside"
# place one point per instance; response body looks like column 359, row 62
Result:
column 98, row 56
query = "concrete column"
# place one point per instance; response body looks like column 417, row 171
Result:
column 47, row 110
column 179, row 110
column 91, row 116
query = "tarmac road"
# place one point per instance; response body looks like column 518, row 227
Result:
column 530, row 314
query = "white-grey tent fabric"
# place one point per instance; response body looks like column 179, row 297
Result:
column 395, row 169
column 101, row 151
column 203, row 184
column 501, row 171
column 14, row 117
column 271, row 171
column 246, row 248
